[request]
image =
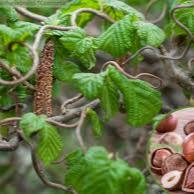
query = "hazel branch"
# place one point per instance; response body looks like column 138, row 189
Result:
column 34, row 52
column 181, row 25
column 29, row 14
column 41, row 174
column 69, row 102
column 10, row 145
column 89, row 10
column 78, row 131
column 15, row 73
column 131, row 76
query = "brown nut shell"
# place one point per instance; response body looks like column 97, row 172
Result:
column 157, row 158
column 167, row 125
column 189, row 128
column 188, row 182
column 171, row 138
column 172, row 180
column 174, row 162
column 188, row 148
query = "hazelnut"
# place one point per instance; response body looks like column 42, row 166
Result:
column 158, row 157
column 171, row 138
column 189, row 128
column 174, row 162
column 172, row 180
column 188, row 148
column 167, row 125
column 188, row 182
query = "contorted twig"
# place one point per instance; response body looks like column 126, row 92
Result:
column 69, row 102
column 181, row 25
column 13, row 71
column 131, row 76
column 89, row 10
column 10, row 145
column 41, row 174
column 161, row 16
column 29, row 14
column 167, row 56
column 35, row 56
column 50, row 120
column 78, row 131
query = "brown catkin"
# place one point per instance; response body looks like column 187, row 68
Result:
column 44, row 81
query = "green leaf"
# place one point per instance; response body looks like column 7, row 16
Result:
column 63, row 69
column 96, row 124
column 149, row 34
column 72, row 37
column 109, row 98
column 185, row 16
column 50, row 144
column 137, row 183
column 129, row 35
column 81, row 46
column 20, row 57
column 95, row 173
column 118, row 9
column 89, row 84
column 85, row 51
column 83, row 18
column 141, row 101
column 118, row 38
column 9, row 13
column 31, row 123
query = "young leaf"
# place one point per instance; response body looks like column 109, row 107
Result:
column 72, row 37
column 80, row 46
column 137, row 183
column 50, row 144
column 118, row 9
column 89, row 84
column 109, row 98
column 32, row 123
column 63, row 70
column 85, row 51
column 118, row 38
column 9, row 13
column 96, row 124
column 141, row 101
column 83, row 18
column 106, row 176
column 149, row 34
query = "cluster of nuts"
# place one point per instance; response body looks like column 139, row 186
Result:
column 176, row 169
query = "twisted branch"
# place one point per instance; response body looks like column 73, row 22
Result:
column 29, row 14
column 89, row 10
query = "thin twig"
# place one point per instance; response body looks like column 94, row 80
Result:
column 59, row 124
column 10, row 145
column 161, row 16
column 41, row 174
column 29, row 14
column 181, row 56
column 89, row 10
column 69, row 102
column 78, row 131
column 16, row 73
column 131, row 76
column 181, row 25
column 12, row 107
column 34, row 51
